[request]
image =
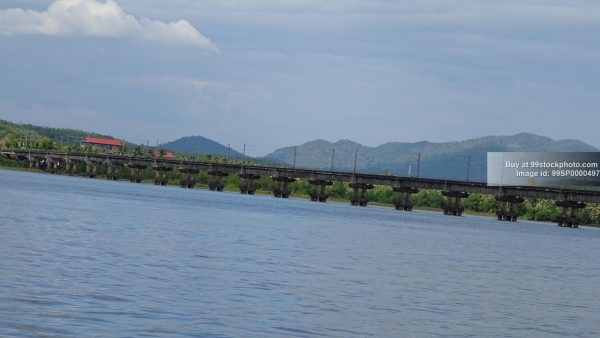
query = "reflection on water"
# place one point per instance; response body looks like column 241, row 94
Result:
column 111, row 259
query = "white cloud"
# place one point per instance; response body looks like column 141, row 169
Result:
column 99, row 19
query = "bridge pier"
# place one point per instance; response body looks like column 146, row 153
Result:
column 570, row 210
column 216, row 180
column 507, row 207
column 135, row 173
column 282, row 186
column 186, row 178
column 452, row 205
column 403, row 200
column 248, row 185
column 70, row 167
column 160, row 175
column 360, row 195
column 318, row 191
column 112, row 172
column 90, row 169
column 52, row 166
column 34, row 163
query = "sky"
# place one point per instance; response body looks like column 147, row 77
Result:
column 278, row 73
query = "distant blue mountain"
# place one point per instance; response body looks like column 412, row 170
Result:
column 200, row 144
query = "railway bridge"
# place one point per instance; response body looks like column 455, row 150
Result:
column 508, row 198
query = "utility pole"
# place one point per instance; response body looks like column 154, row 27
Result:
column 244, row 151
column 468, row 167
column 295, row 149
column 418, row 165
column 332, row 157
column 228, row 152
column 355, row 157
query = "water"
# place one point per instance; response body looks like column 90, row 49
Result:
column 81, row 257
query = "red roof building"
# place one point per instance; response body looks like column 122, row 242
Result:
column 102, row 141
column 167, row 154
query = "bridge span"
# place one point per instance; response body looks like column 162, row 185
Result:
column 508, row 198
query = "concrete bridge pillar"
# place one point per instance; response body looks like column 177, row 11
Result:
column 161, row 175
column 216, row 181
column 452, row 205
column 70, row 167
column 318, row 191
column 282, row 186
column 51, row 165
column 90, row 169
column 507, row 207
column 360, row 193
column 402, row 199
column 135, row 173
column 186, row 178
column 112, row 172
column 34, row 163
column 248, row 185
column 570, row 210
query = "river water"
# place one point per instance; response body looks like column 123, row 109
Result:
column 82, row 257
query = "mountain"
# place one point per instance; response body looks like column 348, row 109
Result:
column 200, row 144
column 438, row 160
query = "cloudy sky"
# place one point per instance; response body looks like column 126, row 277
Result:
column 277, row 73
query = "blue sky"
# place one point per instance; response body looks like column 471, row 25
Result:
column 277, row 73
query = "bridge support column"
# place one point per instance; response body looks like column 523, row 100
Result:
column 570, row 210
column 248, row 185
column 453, row 205
column 186, row 179
column 282, row 186
column 135, row 173
column 90, row 169
column 52, row 166
column 507, row 207
column 216, row 180
column 34, row 163
column 402, row 199
column 160, row 175
column 318, row 191
column 360, row 193
column 70, row 167
column 112, row 172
